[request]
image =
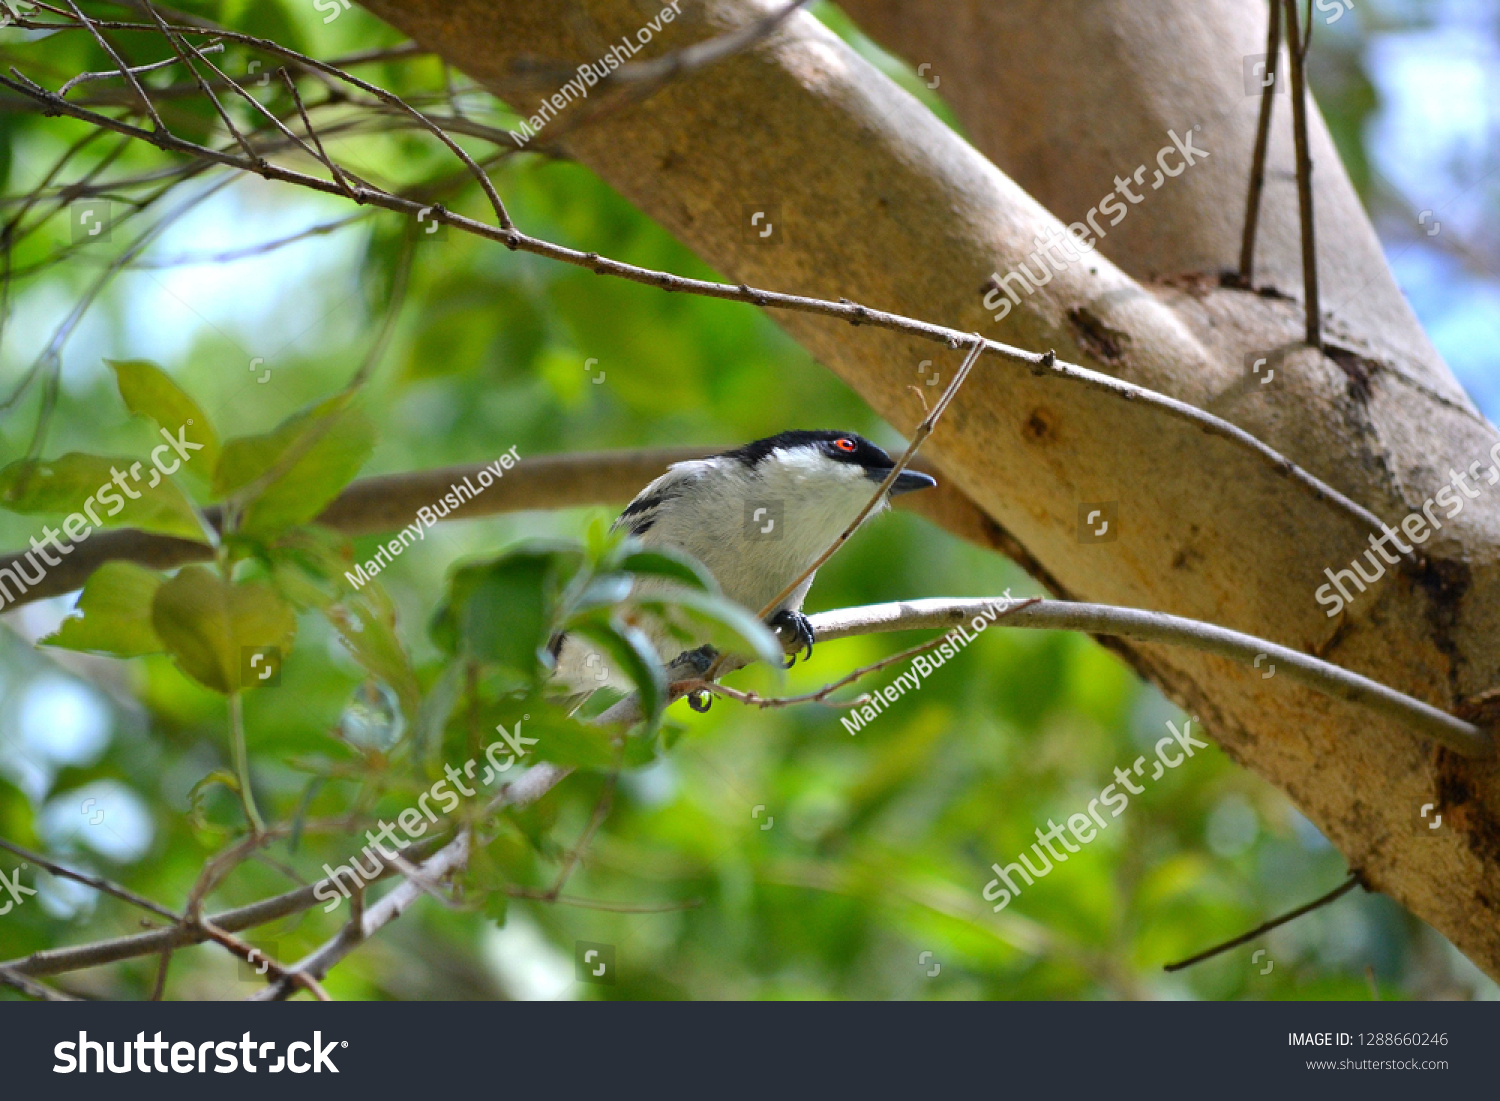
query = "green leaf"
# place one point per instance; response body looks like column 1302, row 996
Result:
column 501, row 610
column 299, row 816
column 198, row 797
column 208, row 625
column 602, row 591
column 632, row 653
column 496, row 903
column 598, row 540
column 113, row 616
column 151, row 392
column 307, row 564
column 733, row 627
column 569, row 743
column 640, row 751
column 84, row 486
column 314, row 454
column 670, row 565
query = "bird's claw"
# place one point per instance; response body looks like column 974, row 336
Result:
column 801, row 630
column 691, row 665
column 696, row 663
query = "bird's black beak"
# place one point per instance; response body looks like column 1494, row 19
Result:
column 909, row 480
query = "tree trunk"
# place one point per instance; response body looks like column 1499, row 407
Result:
column 872, row 198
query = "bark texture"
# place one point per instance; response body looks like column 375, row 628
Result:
column 872, row 198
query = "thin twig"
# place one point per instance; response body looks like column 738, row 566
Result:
column 570, row 861
column 322, row 229
column 419, row 877
column 520, row 792
column 125, row 70
column 1298, row 53
column 328, row 70
column 702, row 54
column 83, row 78
column 177, row 42
column 924, row 429
column 449, row 858
column 20, row 982
column 317, row 153
column 159, row 987
column 276, row 970
column 98, row 883
column 1332, row 896
column 338, row 175
column 1262, row 143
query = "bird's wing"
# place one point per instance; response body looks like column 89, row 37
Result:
column 641, row 514
column 638, row 518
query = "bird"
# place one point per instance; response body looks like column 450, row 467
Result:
column 756, row 517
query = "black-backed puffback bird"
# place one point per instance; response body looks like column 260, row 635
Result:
column 756, row 517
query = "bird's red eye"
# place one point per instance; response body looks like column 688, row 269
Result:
column 845, row 445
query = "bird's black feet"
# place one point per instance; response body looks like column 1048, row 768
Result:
column 799, row 627
column 691, row 665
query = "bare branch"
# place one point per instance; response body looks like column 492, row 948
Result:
column 291, row 86
column 1145, row 626
column 82, row 78
column 599, row 904
column 20, row 982
column 57, row 960
column 1298, row 52
column 637, row 81
column 248, row 953
column 1323, row 900
column 125, row 70
column 449, row 858
column 390, row 502
column 521, row 792
column 601, row 812
column 98, row 883
column 178, row 43
column 1262, row 142
column 701, row 54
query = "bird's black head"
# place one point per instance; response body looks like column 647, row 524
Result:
column 840, row 447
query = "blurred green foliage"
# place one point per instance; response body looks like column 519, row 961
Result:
column 745, row 853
